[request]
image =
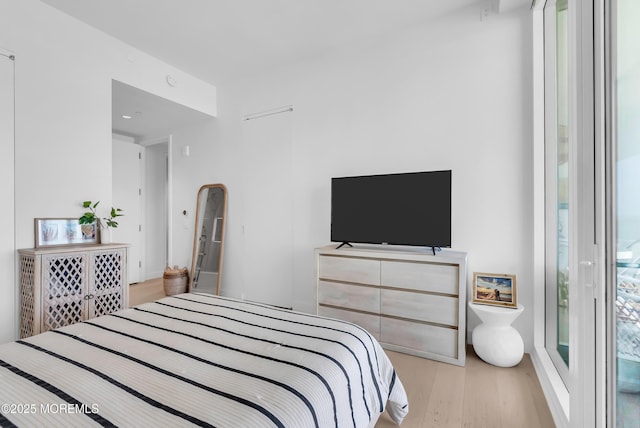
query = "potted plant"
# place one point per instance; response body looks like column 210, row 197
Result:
column 91, row 217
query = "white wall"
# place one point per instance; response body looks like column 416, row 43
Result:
column 63, row 109
column 452, row 94
column 7, row 237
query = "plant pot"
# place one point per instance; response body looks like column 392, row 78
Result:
column 105, row 236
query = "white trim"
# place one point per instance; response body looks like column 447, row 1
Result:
column 538, row 178
column 582, row 291
column 601, row 108
column 549, row 167
column 554, row 389
column 552, row 385
column 607, row 349
column 170, row 200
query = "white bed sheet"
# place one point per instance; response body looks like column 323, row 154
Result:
column 203, row 360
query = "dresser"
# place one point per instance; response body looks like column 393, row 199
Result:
column 411, row 300
column 64, row 285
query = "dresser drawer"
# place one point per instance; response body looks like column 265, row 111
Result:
column 424, row 307
column 371, row 323
column 350, row 296
column 351, row 269
column 419, row 337
column 439, row 278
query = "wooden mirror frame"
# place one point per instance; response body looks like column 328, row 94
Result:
column 200, row 208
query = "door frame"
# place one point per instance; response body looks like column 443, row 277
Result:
column 581, row 401
column 139, row 261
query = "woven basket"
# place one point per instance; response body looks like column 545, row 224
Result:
column 175, row 281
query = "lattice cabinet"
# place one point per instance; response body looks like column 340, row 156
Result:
column 64, row 285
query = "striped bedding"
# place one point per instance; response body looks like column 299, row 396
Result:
column 201, row 360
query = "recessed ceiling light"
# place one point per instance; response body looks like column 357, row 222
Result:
column 125, row 116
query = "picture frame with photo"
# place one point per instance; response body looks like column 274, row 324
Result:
column 495, row 289
column 64, row 231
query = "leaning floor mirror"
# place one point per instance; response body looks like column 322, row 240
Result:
column 206, row 264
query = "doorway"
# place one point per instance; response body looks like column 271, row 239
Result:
column 156, row 206
column 141, row 187
column 148, row 121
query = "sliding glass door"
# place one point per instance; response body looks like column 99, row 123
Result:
column 572, row 255
column 625, row 201
column 592, row 208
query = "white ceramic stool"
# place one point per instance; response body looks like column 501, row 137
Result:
column 495, row 341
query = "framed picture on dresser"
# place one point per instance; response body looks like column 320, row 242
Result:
column 64, row 231
column 494, row 289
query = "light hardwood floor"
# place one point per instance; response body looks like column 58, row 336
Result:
column 477, row 395
column 146, row 291
column 443, row 395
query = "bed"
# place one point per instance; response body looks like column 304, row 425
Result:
column 200, row 360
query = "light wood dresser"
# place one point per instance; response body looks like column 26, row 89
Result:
column 64, row 285
column 411, row 300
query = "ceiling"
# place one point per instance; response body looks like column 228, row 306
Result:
column 218, row 39
column 215, row 39
column 148, row 114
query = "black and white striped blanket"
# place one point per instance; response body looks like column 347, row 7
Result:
column 196, row 359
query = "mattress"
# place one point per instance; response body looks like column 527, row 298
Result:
column 200, row 360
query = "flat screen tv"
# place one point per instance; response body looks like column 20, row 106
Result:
column 395, row 209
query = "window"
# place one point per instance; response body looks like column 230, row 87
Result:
column 557, row 186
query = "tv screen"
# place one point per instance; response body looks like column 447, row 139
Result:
column 395, row 209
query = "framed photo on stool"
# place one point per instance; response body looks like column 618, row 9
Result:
column 495, row 289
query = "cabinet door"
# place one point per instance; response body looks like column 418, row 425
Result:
column 29, row 304
column 64, row 279
column 107, row 284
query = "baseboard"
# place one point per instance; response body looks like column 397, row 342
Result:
column 553, row 388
